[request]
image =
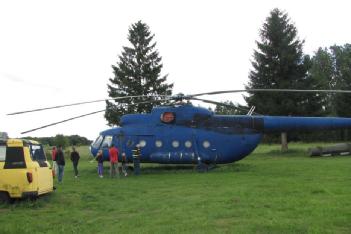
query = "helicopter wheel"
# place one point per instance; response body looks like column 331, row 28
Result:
column 202, row 167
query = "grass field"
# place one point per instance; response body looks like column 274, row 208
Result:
column 267, row 192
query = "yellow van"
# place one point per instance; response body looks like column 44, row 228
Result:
column 24, row 170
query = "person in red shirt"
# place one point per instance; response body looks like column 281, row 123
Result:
column 113, row 152
column 54, row 164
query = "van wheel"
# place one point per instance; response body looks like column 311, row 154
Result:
column 5, row 198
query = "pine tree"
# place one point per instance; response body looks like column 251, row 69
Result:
column 279, row 63
column 137, row 73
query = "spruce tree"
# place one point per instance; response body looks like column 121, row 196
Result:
column 136, row 73
column 279, row 63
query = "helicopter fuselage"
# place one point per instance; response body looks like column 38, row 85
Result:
column 187, row 134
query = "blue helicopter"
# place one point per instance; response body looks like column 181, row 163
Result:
column 188, row 135
column 185, row 134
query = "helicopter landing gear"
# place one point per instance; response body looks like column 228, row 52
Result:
column 204, row 166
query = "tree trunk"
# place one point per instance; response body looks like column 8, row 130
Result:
column 346, row 134
column 284, row 137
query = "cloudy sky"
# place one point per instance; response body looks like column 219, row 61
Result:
column 59, row 52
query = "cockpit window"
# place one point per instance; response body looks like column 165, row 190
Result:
column 107, row 142
column 97, row 142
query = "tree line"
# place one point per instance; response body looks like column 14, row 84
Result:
column 278, row 63
column 62, row 140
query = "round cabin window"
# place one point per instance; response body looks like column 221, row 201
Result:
column 142, row 143
column 175, row 144
column 158, row 144
column 187, row 144
column 130, row 143
column 206, row 144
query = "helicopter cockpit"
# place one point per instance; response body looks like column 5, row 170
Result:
column 103, row 142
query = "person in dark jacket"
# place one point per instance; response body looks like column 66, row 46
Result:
column 136, row 159
column 60, row 160
column 75, row 159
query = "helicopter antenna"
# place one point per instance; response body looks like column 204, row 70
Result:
column 251, row 110
column 81, row 103
column 80, row 116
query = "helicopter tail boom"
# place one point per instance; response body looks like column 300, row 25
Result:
column 281, row 124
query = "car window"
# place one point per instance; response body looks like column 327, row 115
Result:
column 37, row 153
column 2, row 152
column 14, row 158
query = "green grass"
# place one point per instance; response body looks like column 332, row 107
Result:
column 267, row 192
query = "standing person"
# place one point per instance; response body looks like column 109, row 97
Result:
column 100, row 161
column 124, row 164
column 60, row 160
column 75, row 159
column 136, row 159
column 113, row 152
column 54, row 164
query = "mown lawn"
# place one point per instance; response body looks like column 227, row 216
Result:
column 267, row 192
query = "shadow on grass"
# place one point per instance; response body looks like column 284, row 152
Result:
column 163, row 169
column 32, row 203
column 279, row 153
column 235, row 167
column 167, row 169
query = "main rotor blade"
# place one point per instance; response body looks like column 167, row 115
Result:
column 81, row 103
column 272, row 90
column 52, row 124
column 80, row 116
column 221, row 104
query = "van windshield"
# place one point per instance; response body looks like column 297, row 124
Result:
column 37, row 153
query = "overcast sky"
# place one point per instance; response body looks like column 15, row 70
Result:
column 59, row 52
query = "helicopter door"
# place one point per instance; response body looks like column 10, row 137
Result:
column 146, row 143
